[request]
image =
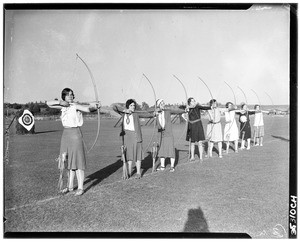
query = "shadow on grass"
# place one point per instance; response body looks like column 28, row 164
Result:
column 196, row 221
column 147, row 164
column 100, row 175
column 281, row 138
column 47, row 131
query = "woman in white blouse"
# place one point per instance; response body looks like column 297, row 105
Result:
column 132, row 135
column 72, row 149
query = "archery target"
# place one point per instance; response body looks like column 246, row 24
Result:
column 27, row 120
column 184, row 116
column 243, row 118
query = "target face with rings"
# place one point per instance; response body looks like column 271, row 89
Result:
column 27, row 120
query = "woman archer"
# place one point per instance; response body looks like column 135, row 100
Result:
column 72, row 150
column 132, row 134
column 166, row 148
column 245, row 127
column 195, row 132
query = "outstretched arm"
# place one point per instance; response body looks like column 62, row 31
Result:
column 57, row 104
column 202, row 107
column 91, row 108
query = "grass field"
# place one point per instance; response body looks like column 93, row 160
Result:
column 241, row 193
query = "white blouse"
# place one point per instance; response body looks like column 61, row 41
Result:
column 161, row 119
column 128, row 122
column 258, row 119
column 70, row 117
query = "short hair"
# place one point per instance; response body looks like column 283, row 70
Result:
column 242, row 105
column 256, row 106
column 66, row 91
column 189, row 100
column 129, row 102
column 212, row 101
column 228, row 103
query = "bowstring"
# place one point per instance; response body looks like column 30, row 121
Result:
column 246, row 104
column 209, row 115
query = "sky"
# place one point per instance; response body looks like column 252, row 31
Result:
column 245, row 48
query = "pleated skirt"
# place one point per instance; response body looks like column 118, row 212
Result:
column 259, row 131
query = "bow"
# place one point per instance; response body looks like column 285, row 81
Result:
column 154, row 111
column 96, row 98
column 234, row 104
column 243, row 94
column 186, row 96
column 209, row 134
column 187, row 121
column 232, row 92
column 256, row 96
column 246, row 103
column 270, row 99
column 272, row 105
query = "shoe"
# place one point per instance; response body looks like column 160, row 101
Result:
column 242, row 148
column 66, row 190
column 192, row 159
column 256, row 144
column 261, row 145
column 138, row 176
column 172, row 169
column 160, row 168
column 248, row 148
column 220, row 156
column 79, row 192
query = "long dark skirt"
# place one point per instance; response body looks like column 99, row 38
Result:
column 245, row 129
column 195, row 132
column 72, row 144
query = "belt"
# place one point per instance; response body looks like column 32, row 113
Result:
column 214, row 122
column 194, row 121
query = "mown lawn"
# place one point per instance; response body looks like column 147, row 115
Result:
column 243, row 193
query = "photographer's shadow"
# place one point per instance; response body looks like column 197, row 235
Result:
column 196, row 221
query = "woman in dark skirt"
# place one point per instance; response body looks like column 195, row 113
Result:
column 72, row 151
column 195, row 132
column 131, row 130
column 245, row 128
column 166, row 148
